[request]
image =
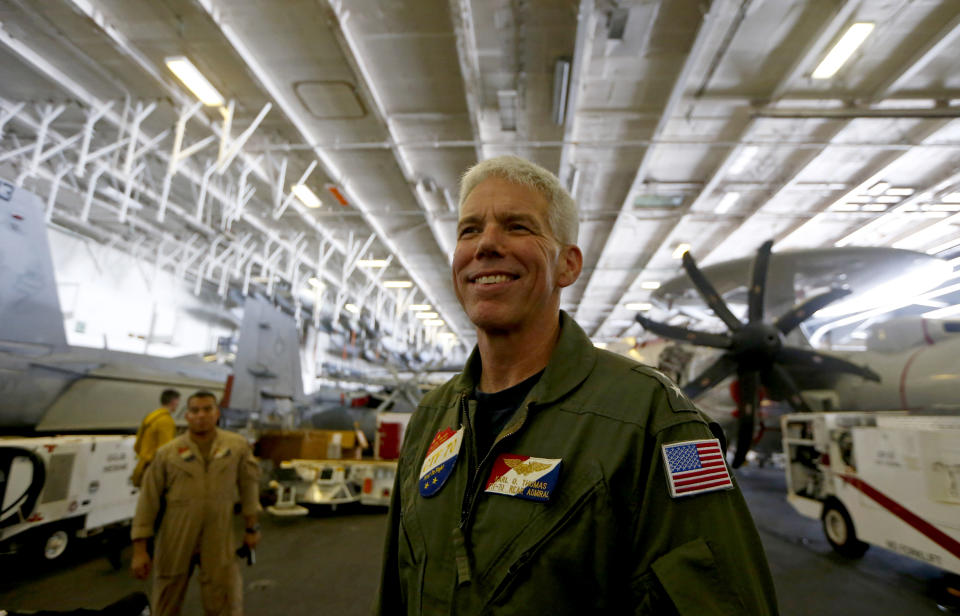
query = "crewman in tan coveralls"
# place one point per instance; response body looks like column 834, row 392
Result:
column 198, row 476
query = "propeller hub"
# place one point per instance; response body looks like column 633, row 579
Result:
column 757, row 344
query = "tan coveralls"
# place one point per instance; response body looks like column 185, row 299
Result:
column 156, row 430
column 197, row 526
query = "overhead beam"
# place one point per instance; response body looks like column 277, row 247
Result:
column 272, row 87
column 824, row 35
column 380, row 108
column 250, row 161
column 928, row 51
column 705, row 31
column 461, row 14
column 582, row 52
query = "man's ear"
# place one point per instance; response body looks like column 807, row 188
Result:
column 570, row 263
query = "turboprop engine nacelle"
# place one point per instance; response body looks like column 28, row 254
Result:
column 896, row 335
column 921, row 377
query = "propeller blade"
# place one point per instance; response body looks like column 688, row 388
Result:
column 682, row 334
column 823, row 362
column 758, row 282
column 719, row 370
column 778, row 379
column 748, row 405
column 709, row 294
column 788, row 321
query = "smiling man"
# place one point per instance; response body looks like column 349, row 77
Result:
column 551, row 477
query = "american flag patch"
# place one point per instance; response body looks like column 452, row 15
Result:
column 694, row 467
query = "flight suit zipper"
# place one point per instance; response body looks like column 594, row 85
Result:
column 471, row 494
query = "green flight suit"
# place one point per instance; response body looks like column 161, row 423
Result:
column 610, row 539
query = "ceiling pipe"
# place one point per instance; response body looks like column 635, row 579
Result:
column 855, row 113
column 600, row 143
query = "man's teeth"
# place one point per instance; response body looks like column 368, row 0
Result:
column 492, row 279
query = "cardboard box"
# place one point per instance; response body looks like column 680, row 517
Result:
column 306, row 445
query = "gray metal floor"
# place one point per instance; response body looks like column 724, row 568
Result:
column 328, row 564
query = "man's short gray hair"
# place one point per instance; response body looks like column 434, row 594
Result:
column 562, row 212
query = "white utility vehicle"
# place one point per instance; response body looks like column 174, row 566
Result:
column 57, row 488
column 885, row 479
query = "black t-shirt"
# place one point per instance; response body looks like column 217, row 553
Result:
column 495, row 410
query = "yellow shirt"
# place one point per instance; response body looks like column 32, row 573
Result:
column 156, row 430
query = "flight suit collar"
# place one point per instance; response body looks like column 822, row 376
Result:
column 570, row 364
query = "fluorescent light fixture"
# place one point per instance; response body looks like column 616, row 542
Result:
column 315, row 282
column 639, row 306
column 878, row 189
column 600, row 345
column 888, row 198
column 900, row 192
column 746, row 155
column 681, row 248
column 561, row 83
column 841, row 52
column 844, row 207
column 398, row 284
column 427, row 315
column 306, row 196
column 951, row 198
column 188, row 74
column 433, row 322
column 874, row 207
column 726, row 203
column 941, row 207
column 420, row 307
column 351, row 308
column 859, row 199
column 447, row 336
column 650, row 284
column 372, row 263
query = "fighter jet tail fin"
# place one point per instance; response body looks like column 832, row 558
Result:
column 29, row 306
column 267, row 367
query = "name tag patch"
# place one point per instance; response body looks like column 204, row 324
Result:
column 185, row 454
column 441, row 457
column 695, row 467
column 524, row 477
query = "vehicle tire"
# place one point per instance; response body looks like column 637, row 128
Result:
column 839, row 530
column 54, row 543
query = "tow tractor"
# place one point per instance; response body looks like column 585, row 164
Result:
column 888, row 479
column 56, row 489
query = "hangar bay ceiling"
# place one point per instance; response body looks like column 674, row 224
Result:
column 325, row 171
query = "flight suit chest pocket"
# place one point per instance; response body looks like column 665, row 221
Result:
column 562, row 516
column 181, row 484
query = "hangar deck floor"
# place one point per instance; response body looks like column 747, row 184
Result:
column 328, row 563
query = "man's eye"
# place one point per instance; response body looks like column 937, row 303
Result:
column 467, row 231
column 517, row 226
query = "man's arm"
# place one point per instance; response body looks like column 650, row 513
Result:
column 144, row 520
column 697, row 554
column 248, row 484
column 166, row 431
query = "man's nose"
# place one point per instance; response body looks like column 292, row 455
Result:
column 490, row 242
